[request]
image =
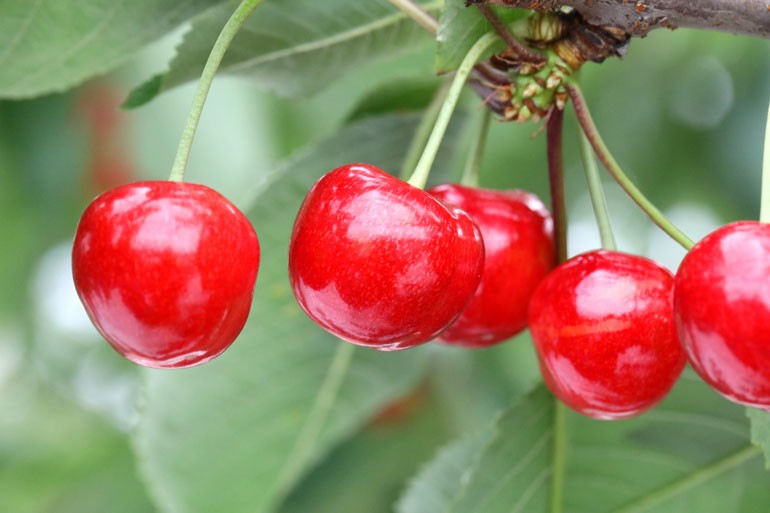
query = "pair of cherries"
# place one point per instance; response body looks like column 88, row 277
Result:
column 166, row 272
column 613, row 331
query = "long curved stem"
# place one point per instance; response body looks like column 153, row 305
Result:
column 764, row 211
column 420, row 176
column 609, row 162
column 476, row 155
column 231, row 28
column 596, row 191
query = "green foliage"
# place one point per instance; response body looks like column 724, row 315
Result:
column 503, row 468
column 285, row 421
column 692, row 451
column 294, row 47
column 51, row 45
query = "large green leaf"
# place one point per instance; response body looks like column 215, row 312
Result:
column 760, row 431
column 236, row 434
column 691, row 453
column 50, row 45
column 295, row 47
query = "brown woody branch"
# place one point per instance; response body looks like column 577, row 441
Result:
column 638, row 17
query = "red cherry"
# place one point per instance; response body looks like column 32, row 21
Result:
column 380, row 263
column 722, row 311
column 604, row 332
column 166, row 271
column 519, row 251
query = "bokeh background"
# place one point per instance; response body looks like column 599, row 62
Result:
column 684, row 112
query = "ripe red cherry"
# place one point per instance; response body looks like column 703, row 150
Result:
column 722, row 311
column 519, row 251
column 604, row 332
column 166, row 271
column 380, row 263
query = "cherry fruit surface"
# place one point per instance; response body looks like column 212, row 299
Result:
column 166, row 271
column 603, row 328
column 380, row 263
column 722, row 310
column 519, row 252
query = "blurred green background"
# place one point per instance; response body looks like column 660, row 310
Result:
column 683, row 112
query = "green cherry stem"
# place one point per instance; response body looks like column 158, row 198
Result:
column 609, row 162
column 418, row 14
column 476, row 155
column 596, row 192
column 764, row 211
column 420, row 175
column 423, row 130
column 554, row 136
column 231, row 28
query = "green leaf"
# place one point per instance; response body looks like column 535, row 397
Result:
column 687, row 454
column 296, row 47
column 51, row 45
column 760, row 431
column 504, row 468
column 366, row 473
column 237, row 434
column 435, row 487
column 460, row 27
column 691, row 453
column 144, row 93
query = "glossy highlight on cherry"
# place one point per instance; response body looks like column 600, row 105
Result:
column 166, row 271
column 722, row 308
column 517, row 230
column 380, row 263
column 603, row 328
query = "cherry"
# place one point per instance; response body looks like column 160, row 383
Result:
column 604, row 331
column 166, row 271
column 722, row 311
column 519, row 251
column 380, row 263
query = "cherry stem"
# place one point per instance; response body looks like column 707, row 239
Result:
column 609, row 162
column 554, row 130
column 418, row 14
column 420, row 175
column 596, row 192
column 764, row 211
column 424, row 129
column 476, row 155
column 231, row 28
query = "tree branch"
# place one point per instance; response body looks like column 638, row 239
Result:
column 638, row 17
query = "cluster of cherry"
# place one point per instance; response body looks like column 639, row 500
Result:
column 383, row 264
column 166, row 271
